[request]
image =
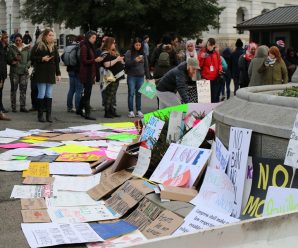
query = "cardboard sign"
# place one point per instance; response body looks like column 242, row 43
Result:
column 152, row 131
column 30, row 191
column 67, row 136
column 77, row 157
column 176, row 127
column 203, row 218
column 266, row 172
column 177, row 160
column 127, row 196
column 148, row 89
column 196, row 135
column 37, row 169
column 204, row 91
column 177, row 193
column 146, row 212
column 142, row 163
column 35, row 216
column 165, row 224
column 108, row 185
column 38, row 180
column 217, row 192
column 238, row 147
column 220, row 156
column 292, row 151
column 34, row 203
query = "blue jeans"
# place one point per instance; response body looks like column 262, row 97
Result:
column 44, row 90
column 75, row 88
column 134, row 84
column 227, row 79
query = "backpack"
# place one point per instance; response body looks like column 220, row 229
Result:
column 71, row 55
column 164, row 59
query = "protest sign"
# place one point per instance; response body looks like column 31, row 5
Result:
column 217, row 192
column 176, row 126
column 35, row 216
column 165, row 224
column 248, row 182
column 220, row 156
column 109, row 184
column 204, row 91
column 31, row 191
column 78, row 157
column 292, row 151
column 38, row 180
column 43, row 158
column 51, row 234
column 72, row 148
column 152, row 131
column 280, row 200
column 238, row 148
column 266, row 172
column 14, row 165
column 33, row 203
column 70, row 168
column 177, row 193
column 148, row 89
column 66, row 136
column 37, row 169
column 127, row 196
column 15, row 145
column 177, row 160
column 203, row 218
column 197, row 134
column 142, row 163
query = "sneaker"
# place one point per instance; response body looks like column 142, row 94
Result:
column 71, row 110
column 131, row 114
column 139, row 114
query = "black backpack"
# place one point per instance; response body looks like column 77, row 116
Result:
column 71, row 55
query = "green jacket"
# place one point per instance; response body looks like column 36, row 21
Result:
column 274, row 74
column 22, row 66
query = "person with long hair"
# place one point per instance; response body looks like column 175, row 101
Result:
column 136, row 65
column 87, row 72
column 45, row 58
column 291, row 61
column 115, row 63
column 274, row 70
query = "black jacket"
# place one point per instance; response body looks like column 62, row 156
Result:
column 234, row 62
column 3, row 61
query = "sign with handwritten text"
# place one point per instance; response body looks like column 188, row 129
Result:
column 220, row 155
column 78, row 157
column 292, row 151
column 204, row 91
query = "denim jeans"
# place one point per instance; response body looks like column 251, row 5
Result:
column 215, row 90
column 75, row 88
column 44, row 90
column 227, row 79
column 134, row 84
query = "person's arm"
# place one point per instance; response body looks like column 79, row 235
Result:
column 250, row 69
column 84, row 56
column 181, row 83
column 111, row 63
column 10, row 57
column 57, row 61
column 201, row 58
column 263, row 67
column 146, row 65
column 35, row 57
column 129, row 62
column 219, row 63
column 284, row 72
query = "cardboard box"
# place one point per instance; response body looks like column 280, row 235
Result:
column 177, row 193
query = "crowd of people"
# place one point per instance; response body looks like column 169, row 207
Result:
column 175, row 66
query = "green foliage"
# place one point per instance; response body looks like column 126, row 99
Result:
column 127, row 18
column 290, row 92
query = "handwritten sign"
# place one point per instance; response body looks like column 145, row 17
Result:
column 142, row 163
column 35, row 216
column 204, row 91
column 176, row 126
column 148, row 89
column 34, row 203
column 237, row 167
column 292, row 151
column 280, row 200
column 14, row 165
column 31, row 191
column 220, row 155
column 37, row 169
column 266, row 172
column 203, row 218
column 38, row 180
column 177, row 160
column 197, row 134
column 152, row 131
column 217, row 192
column 78, row 157
column 248, row 182
column 165, row 224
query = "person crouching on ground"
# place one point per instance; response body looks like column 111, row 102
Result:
column 175, row 80
column 45, row 57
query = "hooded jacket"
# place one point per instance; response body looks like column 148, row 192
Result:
column 207, row 61
column 22, row 66
column 255, row 64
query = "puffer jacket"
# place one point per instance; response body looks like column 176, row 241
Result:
column 22, row 66
column 207, row 60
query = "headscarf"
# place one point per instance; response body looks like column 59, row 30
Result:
column 193, row 54
column 248, row 55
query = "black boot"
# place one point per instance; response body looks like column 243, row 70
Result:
column 87, row 113
column 108, row 113
column 40, row 108
column 114, row 113
column 48, row 109
column 81, row 107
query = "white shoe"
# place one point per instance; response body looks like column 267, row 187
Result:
column 131, row 114
column 139, row 114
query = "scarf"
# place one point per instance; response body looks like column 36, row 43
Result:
column 271, row 61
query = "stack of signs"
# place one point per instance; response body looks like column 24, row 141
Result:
column 292, row 151
column 181, row 166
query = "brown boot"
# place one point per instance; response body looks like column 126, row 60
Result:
column 3, row 117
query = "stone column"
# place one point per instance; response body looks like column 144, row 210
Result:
column 228, row 17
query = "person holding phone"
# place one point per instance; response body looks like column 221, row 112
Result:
column 136, row 66
column 45, row 59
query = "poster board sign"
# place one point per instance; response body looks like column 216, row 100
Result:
column 292, row 150
column 220, row 155
column 204, row 91
column 148, row 89
column 142, row 163
column 175, row 128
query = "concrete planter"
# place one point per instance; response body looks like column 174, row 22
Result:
column 271, row 118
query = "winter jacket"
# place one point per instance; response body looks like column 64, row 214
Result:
column 234, row 62
column 45, row 72
column 207, row 61
column 87, row 62
column 243, row 69
column 255, row 78
column 274, row 74
column 22, row 66
column 134, row 68
column 175, row 80
column 3, row 61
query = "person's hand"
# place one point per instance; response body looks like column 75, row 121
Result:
column 98, row 59
column 120, row 59
column 58, row 78
column 139, row 58
column 47, row 58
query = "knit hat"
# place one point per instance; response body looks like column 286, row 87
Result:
column 280, row 43
column 239, row 43
column 193, row 62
